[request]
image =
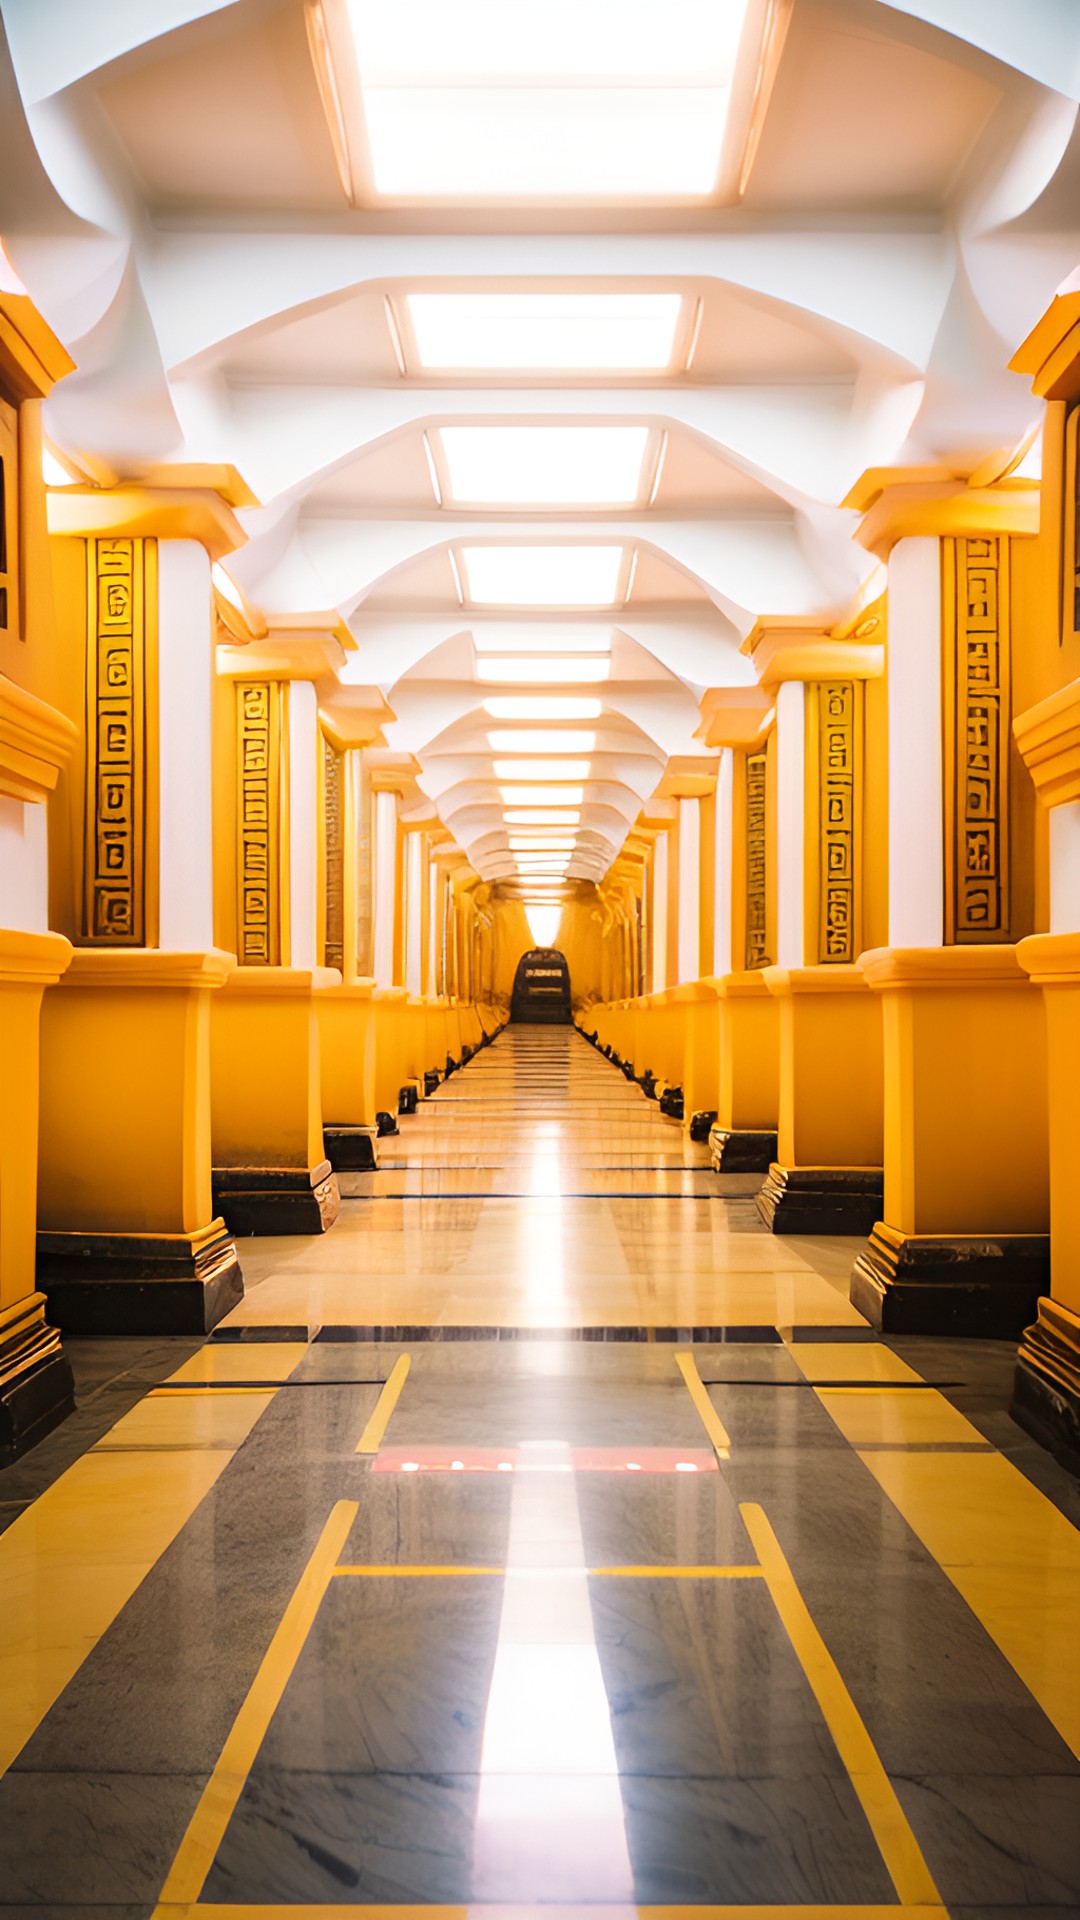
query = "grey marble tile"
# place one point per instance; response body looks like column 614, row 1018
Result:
column 660, row 1520
column 741, row 1841
column 89, row 1838
column 334, row 1838
column 703, row 1682
column 1011, row 1840
column 418, row 1654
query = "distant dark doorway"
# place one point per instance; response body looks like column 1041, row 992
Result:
column 541, row 989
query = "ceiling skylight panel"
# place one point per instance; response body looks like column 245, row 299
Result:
column 522, row 668
column 520, row 332
column 576, row 99
column 539, row 796
column 546, row 576
column 542, row 769
column 541, row 740
column 538, row 707
column 544, row 466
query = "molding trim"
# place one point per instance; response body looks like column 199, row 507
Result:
column 36, row 742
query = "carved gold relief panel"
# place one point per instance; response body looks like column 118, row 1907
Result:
column 757, row 860
column 121, row 594
column 334, row 842
column 836, row 818
column 976, row 711
column 258, row 822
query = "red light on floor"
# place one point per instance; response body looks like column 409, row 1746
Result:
column 524, row 1460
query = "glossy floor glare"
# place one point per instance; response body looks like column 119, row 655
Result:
column 542, row 1626
column 539, row 1189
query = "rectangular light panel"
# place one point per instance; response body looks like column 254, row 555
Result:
column 539, row 796
column 542, row 769
column 541, row 740
column 538, row 707
column 520, row 668
column 542, row 816
column 544, row 466
column 574, row 99
column 539, row 332
column 547, row 576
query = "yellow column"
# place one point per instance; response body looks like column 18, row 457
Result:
column 1046, row 1395
column 345, row 1010
column 130, row 1239
column 741, row 723
column 271, row 1174
column 827, row 1173
column 961, row 1243
column 36, row 742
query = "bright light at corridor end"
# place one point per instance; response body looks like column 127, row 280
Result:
column 496, row 100
column 519, row 332
column 544, row 924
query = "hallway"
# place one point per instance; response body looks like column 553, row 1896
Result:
column 549, row 1537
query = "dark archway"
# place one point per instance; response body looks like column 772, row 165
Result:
column 541, row 989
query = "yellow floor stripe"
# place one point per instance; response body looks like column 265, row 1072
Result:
column 479, row 1910
column 543, row 1573
column 225, row 1785
column 706, row 1412
column 418, row 1573
column 677, row 1573
column 896, row 1843
column 372, row 1437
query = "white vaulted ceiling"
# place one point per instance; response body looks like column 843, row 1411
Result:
column 640, row 439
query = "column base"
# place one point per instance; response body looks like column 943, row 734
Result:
column 821, row 1199
column 671, row 1102
column 351, row 1149
column 37, row 1391
column 738, row 1150
column 701, row 1125
column 277, row 1199
column 140, row 1283
column 985, row 1285
column 1046, row 1387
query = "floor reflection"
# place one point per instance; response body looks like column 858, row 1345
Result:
column 550, row 1808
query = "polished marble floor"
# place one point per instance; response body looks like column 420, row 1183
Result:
column 545, row 1540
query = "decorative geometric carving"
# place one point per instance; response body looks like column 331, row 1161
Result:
column 258, row 747
column 977, row 717
column 757, row 951
column 837, row 777
column 114, row 903
column 333, row 814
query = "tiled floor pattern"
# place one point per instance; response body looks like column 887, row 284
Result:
column 343, row 1626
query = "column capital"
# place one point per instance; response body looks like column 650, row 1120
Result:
column 32, row 359
column 355, row 717
column 688, row 777
column 391, row 772
column 309, row 647
column 36, row 742
column 735, row 717
column 901, row 503
column 134, row 511
column 1048, row 736
column 1050, row 356
column 785, row 649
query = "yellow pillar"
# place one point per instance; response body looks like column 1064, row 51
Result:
column 961, row 1243
column 36, row 742
column 741, row 724
column 130, row 1240
column 271, row 1174
column 345, row 1010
